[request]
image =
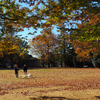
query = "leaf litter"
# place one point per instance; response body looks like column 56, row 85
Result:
column 75, row 79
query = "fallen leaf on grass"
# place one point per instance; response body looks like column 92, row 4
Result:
column 2, row 93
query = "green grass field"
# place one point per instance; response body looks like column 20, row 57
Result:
column 51, row 84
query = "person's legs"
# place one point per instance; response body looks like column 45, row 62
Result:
column 17, row 75
column 25, row 72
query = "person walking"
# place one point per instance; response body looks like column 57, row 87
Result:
column 16, row 70
column 25, row 69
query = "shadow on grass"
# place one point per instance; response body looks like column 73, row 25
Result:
column 97, row 97
column 51, row 98
column 28, row 78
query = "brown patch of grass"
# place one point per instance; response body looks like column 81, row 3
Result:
column 77, row 79
column 43, row 81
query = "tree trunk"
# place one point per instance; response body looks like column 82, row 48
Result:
column 43, row 65
column 48, row 65
column 61, row 64
column 11, row 60
column 74, row 62
column 93, row 63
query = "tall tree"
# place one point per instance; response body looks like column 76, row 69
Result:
column 84, row 14
column 13, row 46
column 43, row 45
column 65, row 50
column 13, row 18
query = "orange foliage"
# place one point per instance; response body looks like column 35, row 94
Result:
column 44, row 44
column 84, row 48
column 8, row 48
column 88, row 40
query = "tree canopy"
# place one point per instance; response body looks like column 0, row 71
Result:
column 80, row 17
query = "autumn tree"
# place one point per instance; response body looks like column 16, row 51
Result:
column 43, row 45
column 65, row 51
column 13, row 19
column 67, row 11
column 86, row 50
column 84, row 14
column 13, row 16
column 12, row 47
column 96, row 60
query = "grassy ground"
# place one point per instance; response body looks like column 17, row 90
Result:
column 51, row 84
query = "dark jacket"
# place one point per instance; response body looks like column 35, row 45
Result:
column 25, row 68
column 16, row 70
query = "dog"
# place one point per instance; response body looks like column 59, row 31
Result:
column 24, row 76
column 27, row 76
column 30, row 75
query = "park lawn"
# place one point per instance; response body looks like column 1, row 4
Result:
column 49, row 84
